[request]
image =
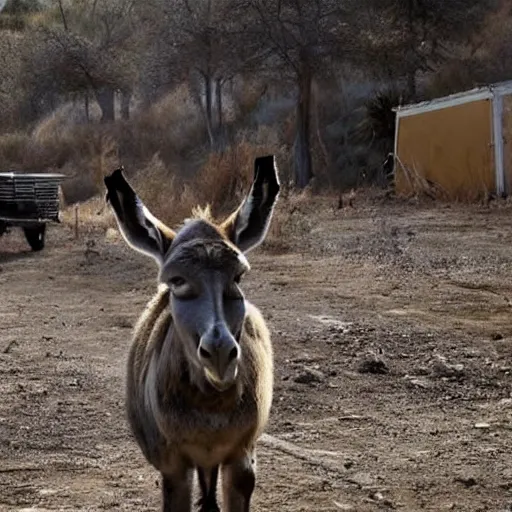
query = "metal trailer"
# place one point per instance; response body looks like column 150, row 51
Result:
column 29, row 201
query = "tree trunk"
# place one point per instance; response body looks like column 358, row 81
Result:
column 126, row 97
column 195, row 88
column 316, row 115
column 411, row 72
column 86, row 106
column 302, row 151
column 221, row 134
column 411, row 83
column 218, row 92
column 105, row 98
column 208, row 92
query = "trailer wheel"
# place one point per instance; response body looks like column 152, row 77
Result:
column 35, row 236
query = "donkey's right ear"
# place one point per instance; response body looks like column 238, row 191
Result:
column 141, row 230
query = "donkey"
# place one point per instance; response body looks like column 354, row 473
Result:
column 200, row 369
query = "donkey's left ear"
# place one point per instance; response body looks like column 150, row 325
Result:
column 248, row 225
column 141, row 230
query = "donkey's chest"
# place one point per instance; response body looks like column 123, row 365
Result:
column 211, row 449
column 213, row 434
column 217, row 426
column 211, row 438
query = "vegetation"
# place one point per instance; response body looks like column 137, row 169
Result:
column 177, row 90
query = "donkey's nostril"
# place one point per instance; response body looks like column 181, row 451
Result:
column 204, row 353
column 233, row 353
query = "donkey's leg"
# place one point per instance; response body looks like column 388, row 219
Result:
column 177, row 491
column 238, row 481
column 208, row 487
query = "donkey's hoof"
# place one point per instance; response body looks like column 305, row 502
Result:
column 207, row 506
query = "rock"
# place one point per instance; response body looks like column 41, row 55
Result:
column 466, row 481
column 418, row 383
column 421, row 371
column 362, row 479
column 482, row 426
column 440, row 368
column 309, row 376
column 112, row 235
column 12, row 344
column 381, row 500
column 374, row 365
column 377, row 496
column 344, row 506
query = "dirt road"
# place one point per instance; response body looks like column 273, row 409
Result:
column 393, row 339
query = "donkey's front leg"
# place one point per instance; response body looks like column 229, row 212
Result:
column 238, row 481
column 208, row 488
column 177, row 491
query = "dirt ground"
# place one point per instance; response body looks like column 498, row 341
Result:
column 393, row 339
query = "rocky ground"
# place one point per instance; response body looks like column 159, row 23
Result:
column 393, row 338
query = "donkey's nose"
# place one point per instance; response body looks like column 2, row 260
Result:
column 219, row 352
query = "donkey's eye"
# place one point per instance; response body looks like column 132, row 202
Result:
column 177, row 281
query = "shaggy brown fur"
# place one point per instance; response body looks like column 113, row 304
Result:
column 179, row 421
column 182, row 413
column 183, row 416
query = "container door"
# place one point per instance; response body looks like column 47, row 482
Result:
column 507, row 141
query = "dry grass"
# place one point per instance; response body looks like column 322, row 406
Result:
column 85, row 152
column 420, row 187
column 222, row 183
column 12, row 149
column 164, row 159
column 93, row 216
column 291, row 222
column 169, row 128
column 82, row 152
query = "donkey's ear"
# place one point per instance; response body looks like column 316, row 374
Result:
column 248, row 225
column 141, row 230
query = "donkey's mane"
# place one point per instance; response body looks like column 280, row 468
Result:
column 203, row 213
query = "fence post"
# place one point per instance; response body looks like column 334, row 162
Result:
column 76, row 221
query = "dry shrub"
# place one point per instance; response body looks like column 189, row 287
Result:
column 169, row 128
column 163, row 191
column 247, row 96
column 13, row 147
column 60, row 143
column 221, row 182
column 225, row 178
column 420, row 187
column 65, row 142
column 291, row 223
column 92, row 215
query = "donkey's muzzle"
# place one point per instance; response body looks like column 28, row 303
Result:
column 219, row 353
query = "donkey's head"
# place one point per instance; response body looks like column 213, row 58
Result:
column 202, row 264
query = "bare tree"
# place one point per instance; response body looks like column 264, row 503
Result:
column 206, row 43
column 417, row 35
column 305, row 37
column 90, row 50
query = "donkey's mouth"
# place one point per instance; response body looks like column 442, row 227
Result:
column 216, row 382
